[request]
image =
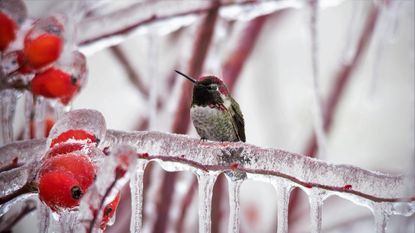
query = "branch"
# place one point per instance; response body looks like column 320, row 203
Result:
column 141, row 14
column 265, row 163
column 132, row 75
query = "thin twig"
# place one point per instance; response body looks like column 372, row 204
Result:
column 132, row 74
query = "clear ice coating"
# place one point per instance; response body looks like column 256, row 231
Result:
column 88, row 120
column 15, row 9
column 300, row 170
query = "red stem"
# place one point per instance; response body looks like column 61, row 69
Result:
column 132, row 74
column 342, row 78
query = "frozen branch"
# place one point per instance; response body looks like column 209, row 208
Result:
column 191, row 153
column 113, row 26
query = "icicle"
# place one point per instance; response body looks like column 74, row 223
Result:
column 43, row 215
column 8, row 107
column 381, row 217
column 28, row 112
column 39, row 117
column 318, row 115
column 316, row 207
column 151, row 198
column 283, row 197
column 206, row 183
column 68, row 221
column 136, row 187
column 234, row 187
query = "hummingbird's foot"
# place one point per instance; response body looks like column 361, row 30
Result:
column 203, row 139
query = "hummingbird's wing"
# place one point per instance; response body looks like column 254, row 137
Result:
column 238, row 119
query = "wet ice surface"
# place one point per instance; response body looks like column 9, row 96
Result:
column 80, row 119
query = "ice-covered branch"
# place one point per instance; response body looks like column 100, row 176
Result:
column 179, row 152
column 110, row 27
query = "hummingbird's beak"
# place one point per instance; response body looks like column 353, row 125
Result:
column 189, row 78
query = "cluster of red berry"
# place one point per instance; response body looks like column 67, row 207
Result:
column 38, row 56
column 67, row 171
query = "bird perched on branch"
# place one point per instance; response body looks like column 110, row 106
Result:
column 215, row 114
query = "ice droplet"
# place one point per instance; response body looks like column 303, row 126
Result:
column 136, row 187
column 234, row 186
column 206, row 182
column 84, row 119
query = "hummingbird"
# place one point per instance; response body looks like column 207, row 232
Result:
column 215, row 114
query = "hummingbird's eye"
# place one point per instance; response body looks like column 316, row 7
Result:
column 213, row 87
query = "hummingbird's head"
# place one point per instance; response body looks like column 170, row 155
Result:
column 207, row 89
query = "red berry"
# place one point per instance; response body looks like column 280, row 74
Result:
column 54, row 83
column 7, row 31
column 77, row 134
column 42, row 50
column 65, row 148
column 109, row 211
column 59, row 189
column 79, row 166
